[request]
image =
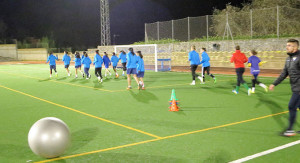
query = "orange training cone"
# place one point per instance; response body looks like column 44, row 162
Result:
column 174, row 106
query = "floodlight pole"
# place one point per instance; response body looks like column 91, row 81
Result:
column 105, row 23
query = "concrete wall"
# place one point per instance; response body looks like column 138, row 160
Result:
column 35, row 54
column 9, row 50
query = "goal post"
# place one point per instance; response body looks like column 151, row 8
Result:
column 154, row 58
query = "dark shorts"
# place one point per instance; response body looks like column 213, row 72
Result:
column 131, row 71
column 52, row 67
column 140, row 74
column 79, row 66
column 67, row 66
column 114, row 67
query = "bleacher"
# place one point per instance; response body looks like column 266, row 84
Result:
column 274, row 59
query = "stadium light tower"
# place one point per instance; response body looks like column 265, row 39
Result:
column 105, row 24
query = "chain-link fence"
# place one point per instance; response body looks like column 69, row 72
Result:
column 259, row 23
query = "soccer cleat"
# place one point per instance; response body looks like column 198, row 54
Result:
column 252, row 92
column 128, row 88
column 117, row 75
column 266, row 89
column 56, row 74
column 215, row 80
column 249, row 92
column 193, row 83
column 50, row 76
column 235, row 92
column 83, row 75
column 143, row 88
column 76, row 76
column 69, row 75
column 289, row 133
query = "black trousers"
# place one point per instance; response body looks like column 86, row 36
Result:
column 124, row 66
column 239, row 74
column 293, row 105
column 193, row 69
column 254, row 80
column 98, row 72
column 207, row 70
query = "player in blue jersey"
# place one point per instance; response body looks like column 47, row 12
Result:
column 52, row 63
column 98, row 65
column 106, row 62
column 122, row 57
column 66, row 58
column 254, row 62
column 78, row 64
column 86, row 61
column 194, row 62
column 206, row 65
column 140, row 70
column 114, row 60
column 131, row 67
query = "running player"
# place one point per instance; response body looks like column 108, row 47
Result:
column 52, row 63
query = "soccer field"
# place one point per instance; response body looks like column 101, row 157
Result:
column 111, row 124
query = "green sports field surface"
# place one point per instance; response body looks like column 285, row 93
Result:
column 111, row 124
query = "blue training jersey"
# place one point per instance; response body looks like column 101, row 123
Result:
column 106, row 60
column 66, row 59
column 98, row 61
column 86, row 61
column 122, row 57
column 140, row 65
column 131, row 60
column 205, row 59
column 114, row 59
column 194, row 58
column 254, row 60
column 51, row 59
column 77, row 61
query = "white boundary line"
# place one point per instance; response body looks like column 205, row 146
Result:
column 266, row 152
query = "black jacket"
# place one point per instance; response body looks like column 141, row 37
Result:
column 291, row 69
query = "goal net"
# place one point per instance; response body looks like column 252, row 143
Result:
column 156, row 59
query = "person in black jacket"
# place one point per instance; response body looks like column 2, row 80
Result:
column 291, row 69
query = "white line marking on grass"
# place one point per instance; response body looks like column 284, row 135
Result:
column 266, row 152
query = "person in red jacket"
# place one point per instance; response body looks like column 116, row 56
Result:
column 239, row 59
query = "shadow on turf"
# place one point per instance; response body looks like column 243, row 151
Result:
column 81, row 138
column 269, row 101
column 47, row 79
column 143, row 96
column 63, row 78
column 97, row 84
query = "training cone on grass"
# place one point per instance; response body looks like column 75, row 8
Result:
column 174, row 106
column 173, row 102
column 173, row 95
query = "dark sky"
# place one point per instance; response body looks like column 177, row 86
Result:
column 76, row 23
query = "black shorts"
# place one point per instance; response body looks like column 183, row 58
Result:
column 67, row 66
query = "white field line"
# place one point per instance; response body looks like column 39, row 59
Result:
column 266, row 152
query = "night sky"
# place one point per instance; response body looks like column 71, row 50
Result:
column 76, row 23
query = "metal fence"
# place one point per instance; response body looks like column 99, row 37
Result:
column 259, row 23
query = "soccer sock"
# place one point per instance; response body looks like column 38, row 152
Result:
column 246, row 86
column 253, row 82
column 262, row 85
column 237, row 88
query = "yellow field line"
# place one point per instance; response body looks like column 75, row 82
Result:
column 102, row 119
column 162, row 138
column 55, row 81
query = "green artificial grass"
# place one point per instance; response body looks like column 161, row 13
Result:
column 111, row 124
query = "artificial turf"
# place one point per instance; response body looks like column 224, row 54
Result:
column 111, row 124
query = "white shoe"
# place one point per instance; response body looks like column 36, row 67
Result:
column 101, row 80
column 193, row 83
column 234, row 91
column 50, row 76
column 249, row 92
column 69, row 75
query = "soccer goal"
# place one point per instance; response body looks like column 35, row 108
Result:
column 156, row 59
